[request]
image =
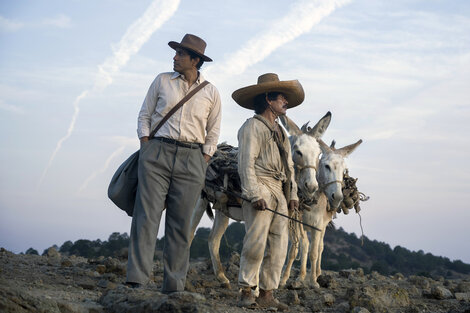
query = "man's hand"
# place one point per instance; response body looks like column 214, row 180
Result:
column 293, row 205
column 260, row 205
column 143, row 139
column 206, row 157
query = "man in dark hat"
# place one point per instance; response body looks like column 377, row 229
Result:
column 172, row 164
column 267, row 178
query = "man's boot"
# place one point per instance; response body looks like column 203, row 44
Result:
column 247, row 299
column 267, row 300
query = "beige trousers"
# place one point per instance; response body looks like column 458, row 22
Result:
column 265, row 243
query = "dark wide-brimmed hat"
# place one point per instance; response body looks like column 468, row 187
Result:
column 192, row 43
column 270, row 82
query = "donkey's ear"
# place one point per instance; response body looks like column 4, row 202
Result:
column 319, row 129
column 323, row 146
column 345, row 151
column 291, row 127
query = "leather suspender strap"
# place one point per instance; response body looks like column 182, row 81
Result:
column 177, row 106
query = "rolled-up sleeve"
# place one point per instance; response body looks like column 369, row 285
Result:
column 248, row 151
column 148, row 107
column 213, row 125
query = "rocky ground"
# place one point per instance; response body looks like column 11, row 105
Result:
column 57, row 283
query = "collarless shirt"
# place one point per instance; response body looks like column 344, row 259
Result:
column 259, row 160
column 197, row 121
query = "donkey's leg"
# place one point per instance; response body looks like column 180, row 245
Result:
column 198, row 212
column 314, row 248
column 320, row 251
column 303, row 258
column 293, row 250
column 218, row 230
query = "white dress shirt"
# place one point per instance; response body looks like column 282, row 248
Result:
column 197, row 121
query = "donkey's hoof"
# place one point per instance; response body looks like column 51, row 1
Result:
column 226, row 286
column 297, row 284
column 314, row 285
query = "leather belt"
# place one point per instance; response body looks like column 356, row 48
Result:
column 191, row 145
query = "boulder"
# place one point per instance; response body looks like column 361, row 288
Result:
column 380, row 297
column 328, row 299
column 292, row 297
column 327, row 281
column 439, row 292
column 462, row 296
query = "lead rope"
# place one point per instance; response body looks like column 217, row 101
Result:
column 295, row 228
column 362, row 230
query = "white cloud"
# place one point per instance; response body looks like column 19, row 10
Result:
column 11, row 108
column 61, row 21
column 7, row 25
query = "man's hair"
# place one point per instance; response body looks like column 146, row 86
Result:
column 260, row 101
column 192, row 56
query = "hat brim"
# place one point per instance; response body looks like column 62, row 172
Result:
column 291, row 89
column 175, row 45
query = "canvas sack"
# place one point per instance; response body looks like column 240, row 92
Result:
column 123, row 186
column 122, row 189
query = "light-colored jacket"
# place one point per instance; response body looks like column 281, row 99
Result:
column 259, row 162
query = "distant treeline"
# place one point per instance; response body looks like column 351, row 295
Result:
column 342, row 251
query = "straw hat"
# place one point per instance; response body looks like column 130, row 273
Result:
column 192, row 43
column 270, row 82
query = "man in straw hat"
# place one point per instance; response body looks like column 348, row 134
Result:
column 267, row 178
column 172, row 164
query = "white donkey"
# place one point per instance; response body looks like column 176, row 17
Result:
column 306, row 157
column 319, row 213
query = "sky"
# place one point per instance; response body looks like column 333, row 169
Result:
column 396, row 74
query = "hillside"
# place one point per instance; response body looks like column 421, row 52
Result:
column 56, row 282
column 345, row 251
column 342, row 251
column 89, row 276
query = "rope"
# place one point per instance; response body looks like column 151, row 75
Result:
column 362, row 230
column 294, row 228
column 301, row 168
column 322, row 187
column 268, row 209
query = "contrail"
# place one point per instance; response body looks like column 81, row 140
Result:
column 136, row 35
column 103, row 169
column 299, row 20
column 69, row 132
column 124, row 142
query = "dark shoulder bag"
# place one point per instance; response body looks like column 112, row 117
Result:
column 123, row 186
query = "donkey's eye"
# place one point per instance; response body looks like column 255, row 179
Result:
column 328, row 167
column 298, row 153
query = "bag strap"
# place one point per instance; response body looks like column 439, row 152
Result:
column 177, row 106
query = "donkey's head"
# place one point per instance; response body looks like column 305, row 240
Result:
column 331, row 170
column 306, row 152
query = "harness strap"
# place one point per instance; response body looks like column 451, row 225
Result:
column 301, row 168
column 322, row 187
